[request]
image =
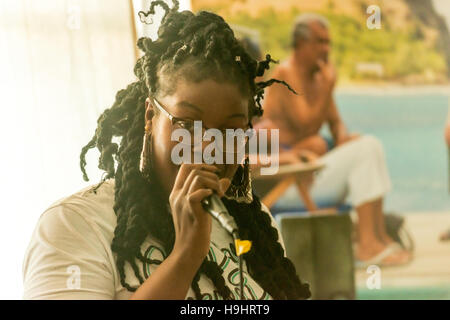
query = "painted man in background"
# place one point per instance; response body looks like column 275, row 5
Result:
column 355, row 170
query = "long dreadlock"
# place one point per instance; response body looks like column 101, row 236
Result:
column 206, row 43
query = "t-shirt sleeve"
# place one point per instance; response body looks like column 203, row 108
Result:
column 275, row 225
column 67, row 259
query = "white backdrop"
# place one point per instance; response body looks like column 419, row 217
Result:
column 61, row 64
column 150, row 30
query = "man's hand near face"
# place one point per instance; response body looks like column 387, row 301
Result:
column 326, row 76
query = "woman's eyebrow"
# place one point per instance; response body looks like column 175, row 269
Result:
column 193, row 106
column 189, row 105
column 237, row 115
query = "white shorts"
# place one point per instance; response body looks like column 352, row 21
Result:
column 354, row 173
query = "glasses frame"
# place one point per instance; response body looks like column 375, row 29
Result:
column 174, row 119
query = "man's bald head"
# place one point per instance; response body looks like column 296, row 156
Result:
column 311, row 40
column 302, row 26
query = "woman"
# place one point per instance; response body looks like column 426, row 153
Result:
column 142, row 233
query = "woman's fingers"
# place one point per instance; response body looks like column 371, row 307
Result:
column 185, row 170
column 194, row 173
column 194, row 199
column 200, row 181
column 224, row 184
column 198, row 195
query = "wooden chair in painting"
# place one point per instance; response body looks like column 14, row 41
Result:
column 317, row 240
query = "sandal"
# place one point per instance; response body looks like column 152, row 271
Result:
column 393, row 248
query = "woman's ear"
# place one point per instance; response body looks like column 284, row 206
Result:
column 149, row 112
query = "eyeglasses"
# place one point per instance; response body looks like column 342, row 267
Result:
column 227, row 140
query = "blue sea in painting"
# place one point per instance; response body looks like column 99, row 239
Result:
column 411, row 127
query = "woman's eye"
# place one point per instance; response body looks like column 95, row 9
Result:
column 185, row 124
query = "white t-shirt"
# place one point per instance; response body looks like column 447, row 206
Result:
column 70, row 256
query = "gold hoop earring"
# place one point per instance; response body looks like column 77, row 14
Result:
column 240, row 189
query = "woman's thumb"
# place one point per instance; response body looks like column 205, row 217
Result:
column 224, row 184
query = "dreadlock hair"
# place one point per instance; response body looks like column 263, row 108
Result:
column 205, row 43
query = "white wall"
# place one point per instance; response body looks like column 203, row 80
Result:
column 150, row 30
column 443, row 8
column 61, row 64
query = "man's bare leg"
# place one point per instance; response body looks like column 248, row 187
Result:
column 369, row 244
column 381, row 228
column 380, row 225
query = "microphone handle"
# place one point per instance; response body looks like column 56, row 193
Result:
column 215, row 207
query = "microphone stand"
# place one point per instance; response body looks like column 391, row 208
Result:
column 214, row 206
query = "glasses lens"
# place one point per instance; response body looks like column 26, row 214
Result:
column 230, row 141
column 184, row 131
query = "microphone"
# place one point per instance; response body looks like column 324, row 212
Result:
column 215, row 207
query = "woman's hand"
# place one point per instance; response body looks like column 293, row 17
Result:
column 192, row 223
column 172, row 279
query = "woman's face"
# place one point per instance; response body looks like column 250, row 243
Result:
column 217, row 105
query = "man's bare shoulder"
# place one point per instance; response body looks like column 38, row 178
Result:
column 281, row 71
